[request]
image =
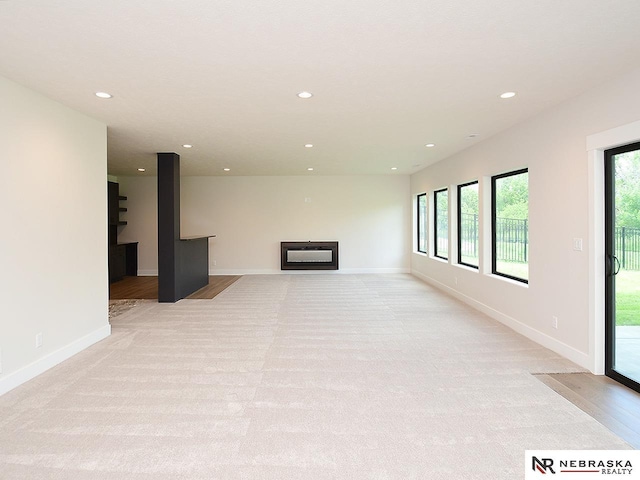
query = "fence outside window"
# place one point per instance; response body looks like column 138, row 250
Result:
column 469, row 235
column 513, row 241
column 627, row 247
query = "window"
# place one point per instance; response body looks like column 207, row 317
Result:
column 510, row 225
column 441, row 224
column 422, row 223
column 468, row 224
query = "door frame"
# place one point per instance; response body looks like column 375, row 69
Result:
column 610, row 265
column 596, row 144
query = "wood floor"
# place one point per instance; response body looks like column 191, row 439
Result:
column 146, row 288
column 612, row 404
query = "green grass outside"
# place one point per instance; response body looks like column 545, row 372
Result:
column 519, row 270
column 627, row 290
column 628, row 298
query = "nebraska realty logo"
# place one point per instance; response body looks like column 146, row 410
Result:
column 582, row 464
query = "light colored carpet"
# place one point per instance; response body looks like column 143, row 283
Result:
column 296, row 377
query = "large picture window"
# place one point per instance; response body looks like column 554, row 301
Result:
column 510, row 225
column 441, row 223
column 468, row 224
column 422, row 222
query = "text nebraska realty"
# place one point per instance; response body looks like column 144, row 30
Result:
column 605, row 467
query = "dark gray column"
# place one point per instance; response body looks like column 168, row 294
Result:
column 168, row 226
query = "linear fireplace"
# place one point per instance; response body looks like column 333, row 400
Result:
column 309, row 255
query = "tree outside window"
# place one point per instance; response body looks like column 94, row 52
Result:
column 510, row 222
column 441, row 224
column 422, row 222
column 468, row 213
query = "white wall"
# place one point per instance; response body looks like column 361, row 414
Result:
column 369, row 215
column 53, row 247
column 553, row 146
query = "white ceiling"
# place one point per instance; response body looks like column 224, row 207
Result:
column 387, row 76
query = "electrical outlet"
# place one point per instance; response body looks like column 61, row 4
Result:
column 455, row 280
column 0, row 360
column 554, row 322
column 39, row 340
column 215, row 263
column 577, row 244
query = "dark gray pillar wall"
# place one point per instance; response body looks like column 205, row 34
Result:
column 183, row 264
column 168, row 226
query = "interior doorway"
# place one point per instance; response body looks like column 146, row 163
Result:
column 622, row 247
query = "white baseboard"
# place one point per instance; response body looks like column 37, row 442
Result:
column 342, row 271
column 567, row 351
column 243, row 271
column 376, row 270
column 17, row 378
column 148, row 273
column 273, row 271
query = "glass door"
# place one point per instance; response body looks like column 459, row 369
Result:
column 622, row 244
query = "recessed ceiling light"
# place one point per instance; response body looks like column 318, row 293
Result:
column 186, row 145
column 141, row 169
column 310, row 169
column 309, row 145
column 227, row 169
column 394, row 168
column 305, row 95
column 508, row 95
column 430, row 145
column 103, row 95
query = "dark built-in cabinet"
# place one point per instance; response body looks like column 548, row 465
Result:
column 123, row 257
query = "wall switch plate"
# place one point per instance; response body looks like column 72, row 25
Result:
column 39, row 340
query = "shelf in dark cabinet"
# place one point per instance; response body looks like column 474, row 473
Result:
column 114, row 210
column 123, row 257
column 113, row 206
